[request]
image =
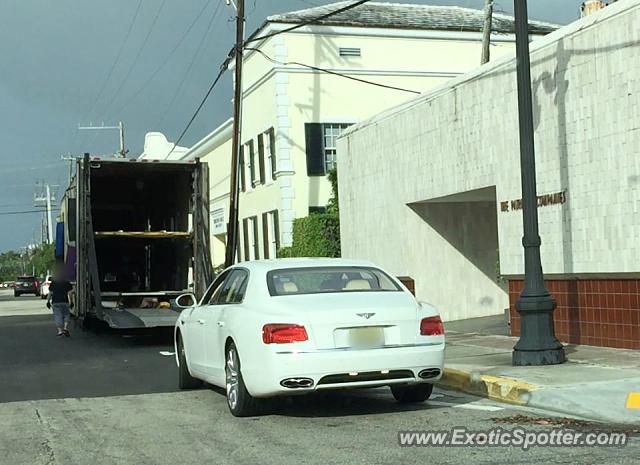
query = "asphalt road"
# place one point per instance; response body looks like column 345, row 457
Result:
column 107, row 397
column 23, row 305
column 95, row 363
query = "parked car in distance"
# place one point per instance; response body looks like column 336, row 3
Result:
column 26, row 285
column 44, row 290
column 295, row 326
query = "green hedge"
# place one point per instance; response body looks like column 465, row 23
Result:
column 317, row 235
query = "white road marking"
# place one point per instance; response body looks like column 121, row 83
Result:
column 168, row 354
column 486, row 408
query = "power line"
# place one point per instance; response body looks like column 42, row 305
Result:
column 193, row 60
column 15, row 186
column 118, row 56
column 306, row 23
column 231, row 55
column 223, row 68
column 135, row 60
column 16, row 205
column 154, row 73
column 30, row 168
column 335, row 73
column 25, row 212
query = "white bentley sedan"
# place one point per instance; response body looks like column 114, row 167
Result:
column 293, row 326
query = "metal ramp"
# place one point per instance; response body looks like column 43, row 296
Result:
column 129, row 318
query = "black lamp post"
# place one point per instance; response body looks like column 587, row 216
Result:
column 538, row 344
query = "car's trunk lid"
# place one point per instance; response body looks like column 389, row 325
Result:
column 355, row 320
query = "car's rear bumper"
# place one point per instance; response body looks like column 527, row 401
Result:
column 336, row 369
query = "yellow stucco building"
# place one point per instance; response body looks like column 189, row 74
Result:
column 293, row 112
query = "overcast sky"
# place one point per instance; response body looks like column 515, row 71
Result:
column 66, row 62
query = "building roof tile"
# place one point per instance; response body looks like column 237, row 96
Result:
column 408, row 16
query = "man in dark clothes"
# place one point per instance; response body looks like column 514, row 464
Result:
column 58, row 301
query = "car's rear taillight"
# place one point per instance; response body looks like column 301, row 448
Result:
column 37, row 283
column 283, row 333
column 431, row 326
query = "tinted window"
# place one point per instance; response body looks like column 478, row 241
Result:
column 211, row 293
column 317, row 280
column 234, row 288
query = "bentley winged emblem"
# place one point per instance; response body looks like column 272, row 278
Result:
column 366, row 316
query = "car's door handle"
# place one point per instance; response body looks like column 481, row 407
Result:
column 221, row 323
column 201, row 322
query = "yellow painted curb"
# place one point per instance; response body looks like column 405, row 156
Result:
column 498, row 388
column 633, row 400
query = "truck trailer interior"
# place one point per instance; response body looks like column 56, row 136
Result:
column 141, row 215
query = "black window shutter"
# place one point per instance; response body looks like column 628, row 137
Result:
column 315, row 149
column 243, row 185
column 256, row 245
column 265, row 235
column 252, row 161
column 276, row 228
column 261, row 158
column 272, row 147
column 245, row 236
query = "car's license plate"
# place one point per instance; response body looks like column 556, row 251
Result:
column 366, row 337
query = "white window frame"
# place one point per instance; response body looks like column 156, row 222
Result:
column 331, row 132
column 253, row 240
column 247, row 167
column 273, row 240
column 268, row 165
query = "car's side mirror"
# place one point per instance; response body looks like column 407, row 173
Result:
column 187, row 300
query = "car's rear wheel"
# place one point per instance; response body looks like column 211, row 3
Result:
column 240, row 402
column 185, row 380
column 412, row 393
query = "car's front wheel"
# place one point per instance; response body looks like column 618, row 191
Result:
column 240, row 402
column 412, row 393
column 185, row 380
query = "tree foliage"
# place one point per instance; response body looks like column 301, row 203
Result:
column 41, row 259
column 317, row 235
column 333, row 205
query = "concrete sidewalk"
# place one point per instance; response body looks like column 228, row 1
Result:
column 595, row 383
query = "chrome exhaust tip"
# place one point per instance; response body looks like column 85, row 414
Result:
column 429, row 373
column 294, row 383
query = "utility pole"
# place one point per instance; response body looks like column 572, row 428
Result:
column 49, row 225
column 537, row 344
column 120, row 127
column 45, row 199
column 486, row 31
column 70, row 159
column 234, row 194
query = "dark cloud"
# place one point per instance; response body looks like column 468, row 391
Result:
column 57, row 55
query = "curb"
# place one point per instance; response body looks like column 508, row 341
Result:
column 499, row 388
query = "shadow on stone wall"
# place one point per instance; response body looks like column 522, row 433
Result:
column 471, row 227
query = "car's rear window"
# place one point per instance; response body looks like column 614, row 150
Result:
column 329, row 279
column 26, row 279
